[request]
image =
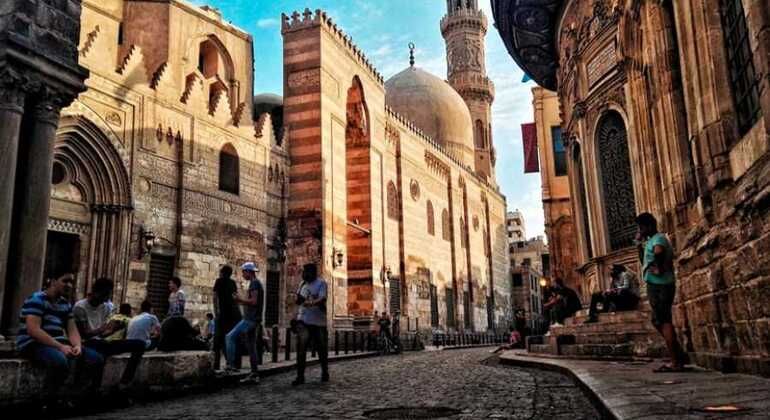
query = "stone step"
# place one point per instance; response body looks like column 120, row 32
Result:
column 611, row 317
column 541, row 348
column 617, row 338
column 599, row 327
column 598, row 350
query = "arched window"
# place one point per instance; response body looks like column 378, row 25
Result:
column 445, row 231
column 481, row 140
column 577, row 161
column 431, row 219
column 229, row 170
column 463, row 234
column 392, row 201
column 270, row 173
column 208, row 59
column 616, row 178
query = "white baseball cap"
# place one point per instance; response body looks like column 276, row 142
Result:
column 250, row 266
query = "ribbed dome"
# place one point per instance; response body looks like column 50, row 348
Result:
column 437, row 109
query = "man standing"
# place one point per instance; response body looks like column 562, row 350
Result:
column 623, row 293
column 249, row 325
column 311, row 328
column 49, row 337
column 91, row 316
column 658, row 271
column 176, row 299
column 226, row 312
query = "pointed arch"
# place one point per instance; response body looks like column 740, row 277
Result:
column 229, row 170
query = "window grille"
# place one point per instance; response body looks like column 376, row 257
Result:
column 433, row 306
column 431, row 219
column 559, row 154
column 229, row 170
column 743, row 75
column 393, row 210
column 617, row 184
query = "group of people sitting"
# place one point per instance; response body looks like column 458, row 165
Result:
column 55, row 334
column 561, row 302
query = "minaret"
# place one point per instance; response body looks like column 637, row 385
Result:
column 464, row 29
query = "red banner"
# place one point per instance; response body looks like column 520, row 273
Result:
column 529, row 135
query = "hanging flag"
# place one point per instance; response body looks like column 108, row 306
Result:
column 529, row 135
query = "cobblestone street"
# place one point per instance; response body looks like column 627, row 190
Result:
column 463, row 380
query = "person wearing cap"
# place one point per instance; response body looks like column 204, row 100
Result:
column 249, row 325
column 623, row 294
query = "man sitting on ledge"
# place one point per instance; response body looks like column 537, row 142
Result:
column 564, row 302
column 92, row 317
column 623, row 294
column 49, row 337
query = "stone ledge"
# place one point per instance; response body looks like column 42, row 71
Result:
column 21, row 382
column 626, row 390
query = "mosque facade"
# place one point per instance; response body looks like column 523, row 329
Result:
column 167, row 165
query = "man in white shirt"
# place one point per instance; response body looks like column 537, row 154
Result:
column 145, row 327
column 91, row 317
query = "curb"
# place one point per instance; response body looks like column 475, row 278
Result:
column 277, row 370
column 596, row 400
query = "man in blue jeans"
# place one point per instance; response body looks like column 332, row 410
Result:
column 49, row 337
column 249, row 325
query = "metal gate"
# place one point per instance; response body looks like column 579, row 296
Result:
column 161, row 271
column 272, row 298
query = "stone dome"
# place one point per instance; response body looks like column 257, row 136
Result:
column 434, row 107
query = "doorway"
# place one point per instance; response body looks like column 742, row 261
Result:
column 161, row 271
column 62, row 253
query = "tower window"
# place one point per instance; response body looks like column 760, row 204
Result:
column 229, row 170
column 740, row 60
column 559, row 154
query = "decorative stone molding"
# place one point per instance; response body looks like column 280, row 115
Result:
column 414, row 190
column 308, row 19
column 66, row 226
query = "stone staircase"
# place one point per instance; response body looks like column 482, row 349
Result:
column 617, row 335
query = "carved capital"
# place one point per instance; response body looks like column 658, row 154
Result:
column 579, row 110
column 49, row 104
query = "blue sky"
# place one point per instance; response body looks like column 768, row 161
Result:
column 383, row 29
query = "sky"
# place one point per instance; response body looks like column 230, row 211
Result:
column 383, row 30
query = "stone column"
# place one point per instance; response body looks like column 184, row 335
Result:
column 11, row 112
column 35, row 163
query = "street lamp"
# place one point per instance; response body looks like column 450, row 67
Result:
column 543, row 282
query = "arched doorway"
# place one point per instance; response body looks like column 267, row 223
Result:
column 91, row 208
column 616, row 180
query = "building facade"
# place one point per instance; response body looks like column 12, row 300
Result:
column 557, row 204
column 385, row 190
column 514, row 226
column 167, row 165
column 665, row 108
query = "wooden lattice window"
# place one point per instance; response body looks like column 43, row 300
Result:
column 430, row 218
column 445, row 230
column 740, row 60
column 393, row 209
column 229, row 170
column 617, row 181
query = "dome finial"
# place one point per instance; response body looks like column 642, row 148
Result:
column 411, row 54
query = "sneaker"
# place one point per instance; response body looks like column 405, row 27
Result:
column 253, row 378
column 556, row 324
column 298, row 381
column 230, row 370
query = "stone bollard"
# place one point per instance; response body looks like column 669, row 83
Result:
column 274, row 344
column 287, row 348
column 336, row 343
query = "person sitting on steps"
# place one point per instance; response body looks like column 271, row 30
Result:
column 623, row 294
column 564, row 302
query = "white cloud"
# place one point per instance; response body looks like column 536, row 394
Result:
column 268, row 23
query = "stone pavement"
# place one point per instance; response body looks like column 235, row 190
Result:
column 469, row 381
column 630, row 390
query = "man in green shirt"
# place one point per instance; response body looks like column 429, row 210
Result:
column 657, row 256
